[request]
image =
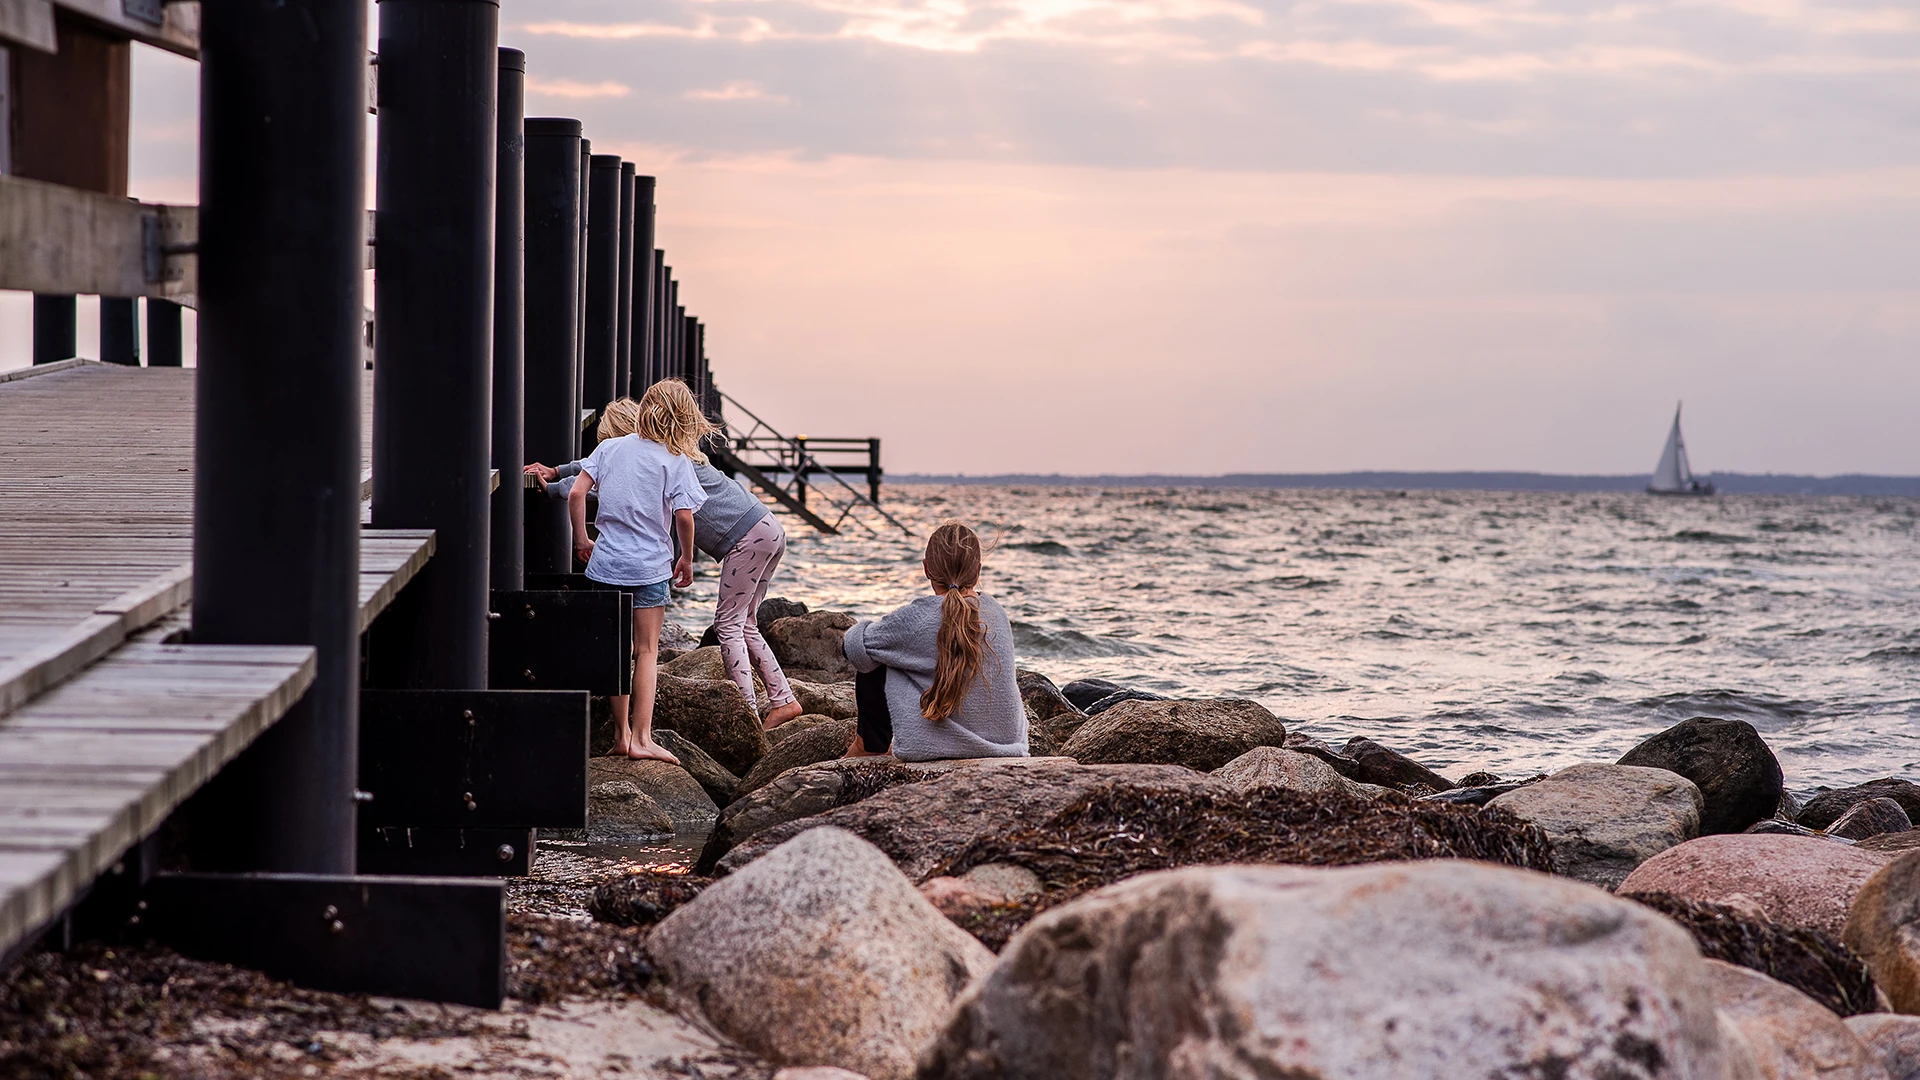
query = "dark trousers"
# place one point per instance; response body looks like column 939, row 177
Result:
column 873, row 721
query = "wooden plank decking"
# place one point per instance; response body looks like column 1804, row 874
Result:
column 104, row 728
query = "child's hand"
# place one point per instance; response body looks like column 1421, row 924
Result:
column 546, row 473
column 583, row 548
column 683, row 572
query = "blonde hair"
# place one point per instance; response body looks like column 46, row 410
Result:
column 953, row 562
column 668, row 415
column 619, row 418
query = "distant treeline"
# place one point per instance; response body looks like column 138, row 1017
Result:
column 1727, row 483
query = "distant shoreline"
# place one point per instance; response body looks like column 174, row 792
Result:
column 1727, row 483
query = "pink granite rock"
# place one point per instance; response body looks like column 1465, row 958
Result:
column 1793, row 880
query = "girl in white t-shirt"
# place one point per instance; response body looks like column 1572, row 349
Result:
column 643, row 470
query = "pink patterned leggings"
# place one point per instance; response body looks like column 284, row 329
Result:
column 744, row 575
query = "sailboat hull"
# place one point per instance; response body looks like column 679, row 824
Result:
column 1699, row 490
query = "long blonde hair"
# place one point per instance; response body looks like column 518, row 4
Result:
column 668, row 415
column 618, row 418
column 953, row 562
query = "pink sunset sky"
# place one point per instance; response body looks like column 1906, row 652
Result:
column 1203, row 236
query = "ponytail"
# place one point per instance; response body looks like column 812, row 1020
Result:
column 953, row 561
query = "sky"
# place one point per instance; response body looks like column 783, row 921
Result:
column 1204, row 236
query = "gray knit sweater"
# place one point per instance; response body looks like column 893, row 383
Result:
column 991, row 720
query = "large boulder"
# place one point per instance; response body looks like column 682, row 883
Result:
column 1792, row 880
column 1883, row 926
column 1270, row 766
column 1892, row 844
column 1815, row 964
column 1873, row 817
column 1201, row 735
column 707, row 663
column 1792, row 1037
column 619, row 810
column 1431, row 969
column 932, row 812
column 808, row 646
column 1124, row 694
column 820, row 953
column 670, row 787
column 808, row 745
column 711, row 714
column 1301, row 743
column 1604, row 820
column 1895, row 1039
column 1738, row 776
column 1081, row 693
column 1375, row 764
column 981, row 889
column 1825, row 808
column 825, row 699
column 714, row 778
column 1051, row 718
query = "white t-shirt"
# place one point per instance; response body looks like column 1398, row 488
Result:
column 640, row 484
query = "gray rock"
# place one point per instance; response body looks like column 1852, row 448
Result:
column 1270, row 766
column 619, row 810
column 1800, row 881
column 939, row 809
column 1604, row 820
column 706, row 663
column 1124, row 694
column 980, row 889
column 1883, row 928
column 820, row 953
column 1081, row 693
column 1872, row 817
column 1893, row 843
column 1776, row 827
column 1051, row 718
column 711, row 714
column 1792, row 1036
column 802, row 723
column 1826, row 807
column 1301, row 743
column 808, row 646
column 1201, row 735
column 714, row 778
column 825, row 699
column 1895, row 1038
column 1738, row 776
column 1476, row 795
column 775, row 608
column 1375, row 764
column 671, row 787
column 1357, row 973
column 811, row 744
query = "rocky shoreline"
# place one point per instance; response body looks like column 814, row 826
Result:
column 1167, row 888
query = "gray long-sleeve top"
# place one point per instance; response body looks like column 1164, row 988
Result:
column 991, row 721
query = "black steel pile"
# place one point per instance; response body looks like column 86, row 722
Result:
column 1122, row 831
column 1811, row 962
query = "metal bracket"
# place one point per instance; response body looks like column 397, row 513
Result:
column 400, row 849
column 434, row 939
column 474, row 758
column 151, row 12
column 165, row 236
column 574, row 639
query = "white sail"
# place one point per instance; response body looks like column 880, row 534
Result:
column 1674, row 475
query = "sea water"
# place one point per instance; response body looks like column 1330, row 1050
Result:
column 1516, row 632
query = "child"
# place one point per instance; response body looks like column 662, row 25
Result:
column 736, row 528
column 647, row 487
column 936, row 677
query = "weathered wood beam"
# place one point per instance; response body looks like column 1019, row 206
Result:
column 173, row 25
column 57, row 239
column 29, row 23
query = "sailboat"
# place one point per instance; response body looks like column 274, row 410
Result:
column 1673, row 476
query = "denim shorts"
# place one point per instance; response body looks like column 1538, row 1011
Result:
column 651, row 596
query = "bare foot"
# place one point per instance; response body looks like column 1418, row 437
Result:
column 651, row 751
column 856, row 748
column 781, row 715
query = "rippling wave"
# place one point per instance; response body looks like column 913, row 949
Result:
column 1510, row 631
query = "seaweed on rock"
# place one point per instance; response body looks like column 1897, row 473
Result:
column 1119, row 832
column 643, row 898
column 1811, row 962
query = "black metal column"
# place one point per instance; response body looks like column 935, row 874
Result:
column 433, row 365
column 120, row 330
column 506, row 560
column 643, row 263
column 690, row 353
column 658, row 337
column 56, row 327
column 677, row 332
column 164, row 342
column 580, row 300
column 603, row 281
column 623, row 298
column 276, row 516
column 552, row 282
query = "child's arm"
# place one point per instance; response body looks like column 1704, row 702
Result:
column 577, row 513
column 683, row 566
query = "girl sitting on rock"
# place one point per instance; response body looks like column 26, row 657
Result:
column 936, row 677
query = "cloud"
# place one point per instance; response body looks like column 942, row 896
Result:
column 740, row 90
column 568, row 88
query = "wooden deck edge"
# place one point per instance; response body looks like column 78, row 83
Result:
column 48, row 369
column 31, row 674
column 27, row 907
